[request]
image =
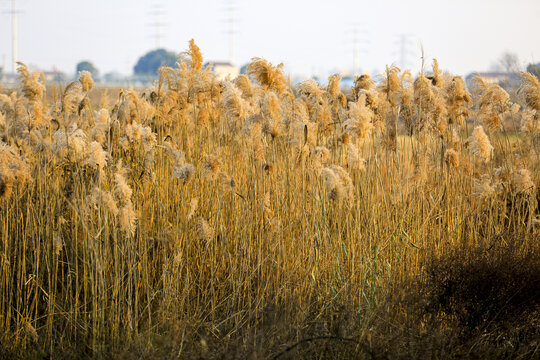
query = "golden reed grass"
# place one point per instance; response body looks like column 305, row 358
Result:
column 192, row 207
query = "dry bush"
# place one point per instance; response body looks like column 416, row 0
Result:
column 474, row 302
column 486, row 288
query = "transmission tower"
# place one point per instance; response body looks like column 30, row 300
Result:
column 231, row 20
column 360, row 41
column 157, row 12
column 404, row 43
column 14, row 38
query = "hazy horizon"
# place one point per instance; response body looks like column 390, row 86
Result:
column 310, row 38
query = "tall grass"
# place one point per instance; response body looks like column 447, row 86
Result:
column 250, row 218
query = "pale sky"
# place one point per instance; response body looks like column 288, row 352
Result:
column 311, row 37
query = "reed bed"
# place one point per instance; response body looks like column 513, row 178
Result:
column 249, row 218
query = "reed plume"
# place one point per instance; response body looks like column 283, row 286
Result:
column 193, row 57
column 31, row 86
column 354, row 160
column 70, row 144
column 272, row 114
column 58, row 243
column 101, row 129
column 269, row 76
column 211, row 167
column 321, row 155
column 363, row 83
column 226, row 182
column 97, row 157
column 523, row 183
column 100, row 199
column 480, row 145
column 204, row 231
column 184, row 173
column 492, row 102
column 243, row 83
column 451, row 157
column 333, row 85
column 437, row 79
column 193, row 206
column 360, row 121
column 530, row 90
column 85, row 78
column 122, row 190
column 127, row 218
column 13, row 170
column 234, row 103
column 483, row 188
column 338, row 183
column 72, row 98
column 458, row 100
column 530, row 122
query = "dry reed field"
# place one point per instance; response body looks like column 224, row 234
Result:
column 251, row 219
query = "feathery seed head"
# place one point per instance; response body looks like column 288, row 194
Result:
column 363, row 82
column 479, row 144
column 333, row 86
column 193, row 205
column 184, row 173
column 97, row 157
column 523, row 183
column 483, row 188
column 101, row 199
column 451, row 157
column 227, row 182
column 121, row 188
column 530, row 89
column 360, row 119
column 72, row 97
column 338, row 184
column 354, row 161
column 268, row 75
column 85, row 78
column 235, row 105
column 211, row 167
column 127, row 218
column 193, row 57
column 31, row 87
column 204, row 231
column 243, row 83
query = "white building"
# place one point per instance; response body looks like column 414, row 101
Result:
column 222, row 70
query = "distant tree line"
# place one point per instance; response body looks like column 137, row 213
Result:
column 146, row 66
column 149, row 63
column 87, row 66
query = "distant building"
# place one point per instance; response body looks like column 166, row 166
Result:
column 222, row 70
column 54, row 76
column 11, row 79
column 115, row 78
column 503, row 79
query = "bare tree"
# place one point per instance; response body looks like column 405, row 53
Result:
column 508, row 62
